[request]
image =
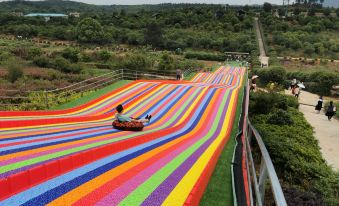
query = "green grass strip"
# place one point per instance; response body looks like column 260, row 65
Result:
column 190, row 76
column 234, row 63
column 91, row 96
column 145, row 189
column 215, row 67
column 24, row 163
column 219, row 189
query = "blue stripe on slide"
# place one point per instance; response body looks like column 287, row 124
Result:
column 52, row 189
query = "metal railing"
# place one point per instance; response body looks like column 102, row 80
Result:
column 19, row 97
column 261, row 174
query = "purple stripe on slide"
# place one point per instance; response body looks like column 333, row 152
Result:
column 121, row 192
column 115, row 135
column 161, row 193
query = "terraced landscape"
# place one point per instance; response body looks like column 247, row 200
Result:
column 74, row 157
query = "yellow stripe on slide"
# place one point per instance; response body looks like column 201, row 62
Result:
column 193, row 106
column 180, row 193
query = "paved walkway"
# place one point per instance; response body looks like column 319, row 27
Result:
column 327, row 132
column 262, row 58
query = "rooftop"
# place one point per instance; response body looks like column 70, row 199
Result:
column 46, row 15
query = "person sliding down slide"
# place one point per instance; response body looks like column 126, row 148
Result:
column 123, row 122
column 123, row 118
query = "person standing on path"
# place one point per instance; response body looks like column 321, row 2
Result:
column 296, row 91
column 331, row 110
column 178, row 74
column 319, row 104
column 293, row 83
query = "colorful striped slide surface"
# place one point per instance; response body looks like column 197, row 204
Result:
column 84, row 161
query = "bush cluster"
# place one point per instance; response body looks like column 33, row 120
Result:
column 293, row 149
column 58, row 63
column 275, row 74
column 205, row 56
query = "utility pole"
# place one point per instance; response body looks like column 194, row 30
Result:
column 286, row 7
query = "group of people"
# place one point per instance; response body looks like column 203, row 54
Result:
column 330, row 111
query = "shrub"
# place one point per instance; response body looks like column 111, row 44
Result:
column 187, row 64
column 166, row 62
column 34, row 52
column 85, row 57
column 324, row 82
column 61, row 64
column 133, row 62
column 273, row 74
column 280, row 117
column 4, row 56
column 75, row 68
column 42, row 61
column 14, row 72
column 264, row 103
column 71, row 54
column 104, row 55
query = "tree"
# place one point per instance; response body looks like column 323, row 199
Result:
column 308, row 48
column 89, row 30
column 319, row 48
column 154, row 35
column 311, row 12
column 327, row 11
column 296, row 11
column 267, row 7
column 24, row 30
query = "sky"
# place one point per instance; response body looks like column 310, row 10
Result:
column 134, row 2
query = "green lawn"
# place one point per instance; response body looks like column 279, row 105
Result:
column 91, row 96
column 219, row 189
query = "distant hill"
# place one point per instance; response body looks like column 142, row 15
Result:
column 64, row 6
column 331, row 3
column 54, row 6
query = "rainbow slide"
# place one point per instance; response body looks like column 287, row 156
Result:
column 75, row 157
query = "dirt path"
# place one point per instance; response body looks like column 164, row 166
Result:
column 327, row 132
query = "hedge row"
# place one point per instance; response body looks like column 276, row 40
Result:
column 205, row 56
column 294, row 150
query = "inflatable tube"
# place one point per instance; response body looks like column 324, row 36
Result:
column 128, row 126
